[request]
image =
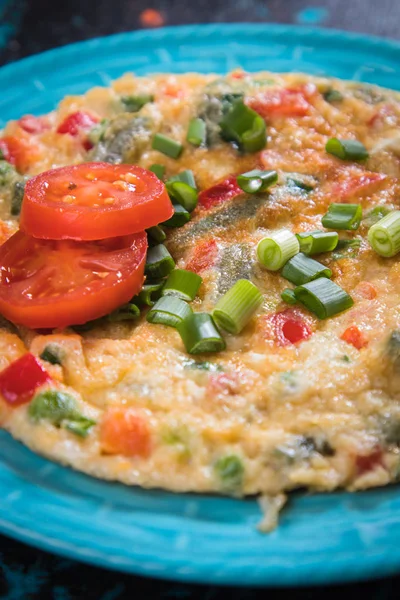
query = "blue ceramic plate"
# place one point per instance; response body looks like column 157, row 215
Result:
column 321, row 538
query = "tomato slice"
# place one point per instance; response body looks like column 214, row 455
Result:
column 93, row 201
column 46, row 283
column 19, row 381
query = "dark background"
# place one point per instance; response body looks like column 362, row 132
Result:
column 28, row 27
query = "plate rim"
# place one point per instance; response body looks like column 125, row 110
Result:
column 373, row 567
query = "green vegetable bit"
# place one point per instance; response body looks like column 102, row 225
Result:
column 52, row 354
column 230, row 471
column 135, row 103
column 332, row 96
column 346, row 149
column 60, row 409
column 126, row 312
column 245, row 127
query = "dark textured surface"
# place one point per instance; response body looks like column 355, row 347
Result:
column 31, row 26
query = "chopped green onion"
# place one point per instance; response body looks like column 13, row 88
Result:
column 156, row 234
column 245, row 127
column 256, row 180
column 343, row 216
column 183, row 193
column 346, row 149
column 182, row 284
column 316, row 242
column 274, row 251
column 377, row 213
column 234, row 310
column 298, row 183
column 199, row 334
column 384, row 236
column 159, row 262
column 169, row 311
column 79, row 426
column 17, row 196
column 302, row 269
column 323, row 297
column 167, row 145
column 288, row 296
column 346, row 249
column 197, row 132
column 96, row 134
column 180, row 217
column 158, row 170
column 230, row 471
column 126, row 312
column 150, row 292
column 332, row 95
column 135, row 103
column 52, row 354
column 185, row 176
column 53, row 405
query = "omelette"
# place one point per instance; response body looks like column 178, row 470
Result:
column 281, row 186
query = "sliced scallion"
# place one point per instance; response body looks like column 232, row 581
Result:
column 197, row 132
column 150, row 292
column 185, row 176
column 343, row 216
column 52, row 354
column 199, row 334
column 183, row 193
column 376, row 213
column 323, row 297
column 384, row 236
column 346, row 149
column 298, row 183
column 256, row 180
column 156, row 234
column 159, row 262
column 169, row 311
column 158, row 170
column 179, row 218
column 332, row 95
column 288, row 296
column 245, row 127
column 167, row 145
column 234, row 310
column 182, row 284
column 274, row 251
column 316, row 242
column 135, row 103
column 302, row 269
column 79, row 426
column 126, row 312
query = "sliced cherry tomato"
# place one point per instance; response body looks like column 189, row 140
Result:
column 124, row 431
column 369, row 462
column 77, row 122
column 291, row 102
column 203, row 257
column 19, row 381
column 93, row 201
column 289, row 327
column 32, row 124
column 19, row 152
column 46, row 283
column 355, row 337
column 225, row 190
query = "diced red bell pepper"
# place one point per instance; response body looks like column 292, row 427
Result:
column 350, row 184
column 225, row 190
column 289, row 102
column 352, row 335
column 288, row 327
column 204, row 256
column 20, row 380
column 367, row 463
column 76, row 122
column 32, row 124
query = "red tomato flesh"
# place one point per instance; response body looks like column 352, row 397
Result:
column 93, row 201
column 367, row 463
column 204, row 256
column 19, row 381
column 77, row 122
column 46, row 283
column 18, row 152
column 124, row 431
column 291, row 102
column 32, row 124
column 221, row 192
column 355, row 337
column 289, row 327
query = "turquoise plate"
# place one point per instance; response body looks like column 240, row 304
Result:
column 321, row 538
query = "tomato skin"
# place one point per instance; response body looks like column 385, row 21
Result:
column 366, row 463
column 71, row 202
column 221, row 192
column 352, row 335
column 289, row 102
column 18, row 152
column 50, row 283
column 124, row 431
column 32, row 124
column 350, row 183
column 204, row 256
column 19, row 381
column 289, row 327
column 77, row 122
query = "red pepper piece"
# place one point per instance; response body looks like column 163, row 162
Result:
column 19, row 381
